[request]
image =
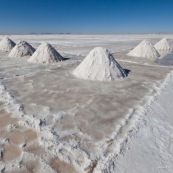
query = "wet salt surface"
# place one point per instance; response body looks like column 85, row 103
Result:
column 84, row 117
column 79, row 112
column 167, row 60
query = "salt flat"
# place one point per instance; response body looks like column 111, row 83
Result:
column 82, row 44
column 79, row 124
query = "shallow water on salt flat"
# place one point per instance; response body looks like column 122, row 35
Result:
column 167, row 60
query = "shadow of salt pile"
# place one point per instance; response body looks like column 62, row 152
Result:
column 127, row 71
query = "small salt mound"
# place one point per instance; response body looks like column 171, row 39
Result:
column 145, row 50
column 100, row 65
column 22, row 49
column 45, row 54
column 6, row 44
column 163, row 45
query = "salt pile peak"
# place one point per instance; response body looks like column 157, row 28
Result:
column 22, row 49
column 6, row 44
column 99, row 65
column 163, row 45
column 45, row 54
column 146, row 50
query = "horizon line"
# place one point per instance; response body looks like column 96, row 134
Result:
column 68, row 33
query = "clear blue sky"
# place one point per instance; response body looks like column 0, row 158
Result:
column 86, row 16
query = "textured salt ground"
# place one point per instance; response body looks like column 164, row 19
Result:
column 17, row 140
column 78, row 114
column 151, row 146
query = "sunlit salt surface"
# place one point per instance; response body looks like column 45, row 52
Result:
column 80, row 124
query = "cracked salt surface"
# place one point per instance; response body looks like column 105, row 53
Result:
column 81, row 123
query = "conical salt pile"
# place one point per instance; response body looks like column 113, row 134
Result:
column 100, row 65
column 163, row 45
column 45, row 54
column 6, row 44
column 145, row 50
column 22, row 49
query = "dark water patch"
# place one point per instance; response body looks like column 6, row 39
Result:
column 167, row 60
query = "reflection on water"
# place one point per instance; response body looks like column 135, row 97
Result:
column 167, row 60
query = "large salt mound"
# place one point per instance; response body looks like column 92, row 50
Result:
column 145, row 50
column 163, row 45
column 45, row 54
column 6, row 44
column 100, row 65
column 22, row 49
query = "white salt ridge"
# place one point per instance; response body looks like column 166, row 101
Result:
column 120, row 142
column 22, row 49
column 150, row 144
column 163, row 45
column 145, row 50
column 45, row 54
column 99, row 65
column 6, row 44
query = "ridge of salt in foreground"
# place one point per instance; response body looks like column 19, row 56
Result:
column 163, row 45
column 22, row 49
column 45, row 54
column 99, row 65
column 145, row 50
column 6, row 44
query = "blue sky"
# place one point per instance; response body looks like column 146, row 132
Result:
column 86, row 16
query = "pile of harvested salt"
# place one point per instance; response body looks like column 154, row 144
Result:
column 100, row 65
column 45, row 54
column 163, row 45
column 22, row 49
column 6, row 44
column 145, row 50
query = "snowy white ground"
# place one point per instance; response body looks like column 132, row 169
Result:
column 151, row 147
column 84, row 126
